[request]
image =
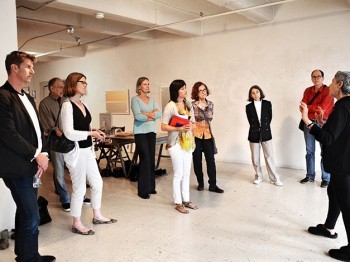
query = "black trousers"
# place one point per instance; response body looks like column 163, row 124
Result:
column 205, row 146
column 146, row 146
column 339, row 201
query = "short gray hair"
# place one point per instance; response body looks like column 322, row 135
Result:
column 344, row 76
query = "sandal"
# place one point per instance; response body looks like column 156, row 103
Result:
column 189, row 204
column 181, row 208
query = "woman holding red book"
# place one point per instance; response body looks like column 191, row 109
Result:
column 180, row 143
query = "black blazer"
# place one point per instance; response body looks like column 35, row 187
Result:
column 335, row 139
column 18, row 139
column 259, row 133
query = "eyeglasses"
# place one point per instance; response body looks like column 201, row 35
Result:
column 202, row 91
column 83, row 82
column 317, row 77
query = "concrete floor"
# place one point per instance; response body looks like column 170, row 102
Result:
column 246, row 223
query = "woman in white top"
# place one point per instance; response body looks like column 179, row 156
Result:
column 81, row 161
column 180, row 143
column 259, row 115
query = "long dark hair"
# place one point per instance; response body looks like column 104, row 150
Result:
column 174, row 89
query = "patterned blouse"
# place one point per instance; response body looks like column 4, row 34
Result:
column 202, row 115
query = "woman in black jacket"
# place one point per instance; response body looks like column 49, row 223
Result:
column 259, row 115
column 335, row 139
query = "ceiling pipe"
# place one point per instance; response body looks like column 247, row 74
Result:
column 35, row 37
column 200, row 18
column 35, row 9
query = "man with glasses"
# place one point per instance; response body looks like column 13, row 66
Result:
column 21, row 155
column 48, row 111
column 316, row 97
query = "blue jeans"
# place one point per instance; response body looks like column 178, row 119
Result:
column 27, row 218
column 58, row 176
column 310, row 142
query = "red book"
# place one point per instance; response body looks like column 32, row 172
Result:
column 178, row 121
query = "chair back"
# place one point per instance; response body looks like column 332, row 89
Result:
column 116, row 129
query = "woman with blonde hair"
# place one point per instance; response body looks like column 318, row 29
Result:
column 146, row 112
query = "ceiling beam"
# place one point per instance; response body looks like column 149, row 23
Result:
column 261, row 15
column 139, row 12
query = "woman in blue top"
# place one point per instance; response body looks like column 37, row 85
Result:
column 145, row 111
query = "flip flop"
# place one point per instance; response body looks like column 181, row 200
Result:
column 181, row 208
column 190, row 205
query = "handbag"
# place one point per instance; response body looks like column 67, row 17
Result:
column 301, row 123
column 43, row 211
column 212, row 137
column 59, row 144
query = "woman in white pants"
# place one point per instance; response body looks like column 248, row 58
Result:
column 259, row 115
column 178, row 120
column 75, row 121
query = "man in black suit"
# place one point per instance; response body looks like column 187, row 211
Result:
column 21, row 155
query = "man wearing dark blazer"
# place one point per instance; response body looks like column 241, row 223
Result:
column 21, row 155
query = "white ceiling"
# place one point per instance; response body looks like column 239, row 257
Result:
column 42, row 24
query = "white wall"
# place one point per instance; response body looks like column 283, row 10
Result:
column 8, row 29
column 278, row 56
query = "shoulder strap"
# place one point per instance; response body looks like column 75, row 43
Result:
column 313, row 99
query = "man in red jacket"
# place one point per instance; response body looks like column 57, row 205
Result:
column 315, row 96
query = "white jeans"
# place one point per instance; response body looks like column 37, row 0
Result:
column 85, row 169
column 181, row 161
column 269, row 160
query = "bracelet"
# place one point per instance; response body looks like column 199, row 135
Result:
column 309, row 124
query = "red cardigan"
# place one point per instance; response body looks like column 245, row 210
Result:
column 323, row 100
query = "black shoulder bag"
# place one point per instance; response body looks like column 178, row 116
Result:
column 301, row 123
column 56, row 143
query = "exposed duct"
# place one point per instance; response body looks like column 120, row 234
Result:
column 158, row 27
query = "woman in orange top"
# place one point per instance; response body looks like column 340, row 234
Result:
column 203, row 113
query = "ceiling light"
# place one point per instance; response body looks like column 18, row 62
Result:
column 100, row 15
column 70, row 30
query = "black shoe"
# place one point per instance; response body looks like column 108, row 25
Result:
column 216, row 189
column 153, row 192
column 324, row 183
column 47, row 259
column 200, row 188
column 66, row 207
column 4, row 239
column 320, row 230
column 307, row 179
column 144, row 196
column 87, row 201
column 342, row 254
